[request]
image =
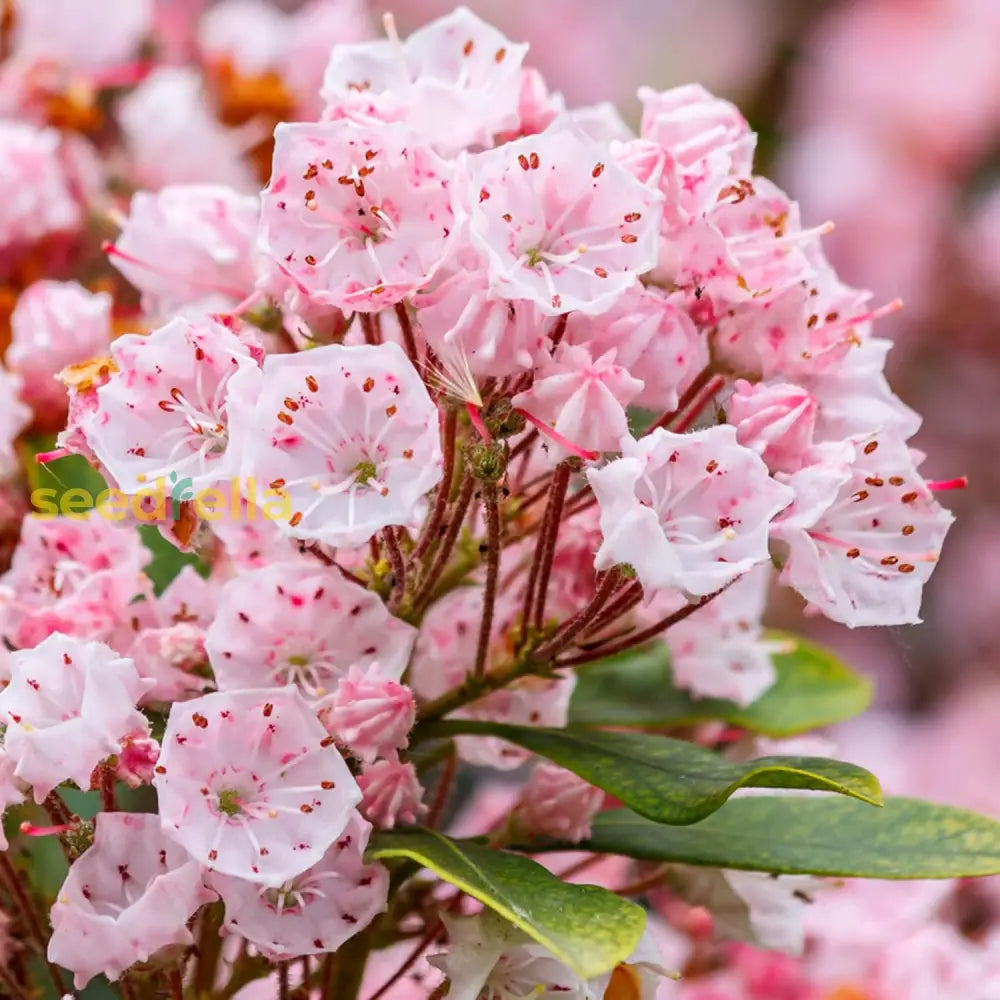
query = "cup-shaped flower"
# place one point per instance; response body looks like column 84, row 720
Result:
column 349, row 435
column 296, row 623
column 690, row 511
column 250, row 784
column 67, row 707
column 126, row 897
column 314, row 912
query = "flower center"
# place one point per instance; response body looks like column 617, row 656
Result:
column 230, row 802
column 364, row 472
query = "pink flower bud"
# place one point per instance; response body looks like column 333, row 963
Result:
column 370, row 715
column 557, row 803
column 776, row 421
column 391, row 793
column 138, row 757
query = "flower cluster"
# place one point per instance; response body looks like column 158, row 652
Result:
column 531, row 389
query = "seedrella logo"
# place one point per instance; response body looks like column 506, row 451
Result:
column 182, row 491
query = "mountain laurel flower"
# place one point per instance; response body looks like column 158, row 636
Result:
column 557, row 803
column 30, row 165
column 370, row 714
column 349, row 435
column 67, row 707
column 55, row 324
column 689, row 511
column 315, row 912
column 863, row 535
column 250, row 784
column 165, row 413
column 392, row 793
column 559, row 222
column 583, row 398
column 775, row 420
column 455, row 82
column 355, row 217
column 188, row 243
column 302, row 624
column 129, row 895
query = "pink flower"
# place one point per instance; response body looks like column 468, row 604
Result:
column 67, row 707
column 775, row 420
column 129, row 895
column 250, row 784
column 465, row 325
column 188, row 243
column 75, row 575
column 76, row 35
column 136, row 759
column 14, row 417
column 370, row 714
column 314, row 912
column 721, row 651
column 355, row 217
column 391, row 792
column 173, row 137
column 31, row 166
column 166, row 411
column 652, row 337
column 690, row 511
column 456, row 82
column 707, row 143
column 56, row 324
column 583, row 397
column 298, row 623
column 556, row 803
column 559, row 222
column 350, row 436
column 863, row 534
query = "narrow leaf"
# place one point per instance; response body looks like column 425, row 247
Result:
column 812, row 688
column 668, row 780
column 817, row 835
column 588, row 928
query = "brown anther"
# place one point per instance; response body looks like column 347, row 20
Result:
column 285, row 418
column 630, row 238
column 889, row 560
column 860, row 495
column 633, row 216
column 310, row 260
column 305, row 808
column 534, row 161
column 390, row 411
column 598, row 170
column 483, row 195
column 853, row 553
column 507, row 217
column 312, row 383
column 295, row 519
column 906, row 567
column 875, row 481
column 908, row 529
column 523, row 160
column 600, row 272
column 311, row 171
column 310, row 195
column 327, row 164
column 199, row 720
column 267, row 710
column 896, row 480
column 369, row 384
column 467, row 48
column 909, row 497
column 276, row 484
column 290, row 404
column 499, row 55
column 711, row 466
column 812, row 321
column 408, row 453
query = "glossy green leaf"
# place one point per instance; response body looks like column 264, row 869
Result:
column 588, row 928
column 812, row 688
column 819, row 835
column 668, row 780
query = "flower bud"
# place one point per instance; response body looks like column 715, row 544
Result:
column 557, row 803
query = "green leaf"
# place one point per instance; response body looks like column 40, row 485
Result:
column 812, row 688
column 818, row 835
column 668, row 780
column 588, row 928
